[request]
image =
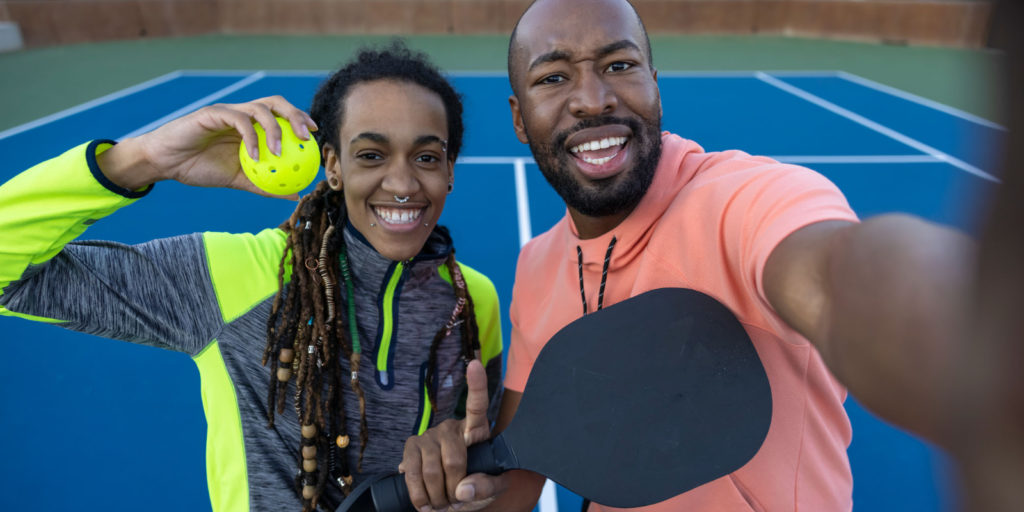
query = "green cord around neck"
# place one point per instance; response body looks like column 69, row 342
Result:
column 350, row 292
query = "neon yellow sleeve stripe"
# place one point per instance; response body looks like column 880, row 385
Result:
column 389, row 319
column 226, row 473
column 486, row 307
column 47, row 206
column 6, row 312
column 243, row 269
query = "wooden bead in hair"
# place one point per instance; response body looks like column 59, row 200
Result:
column 309, row 431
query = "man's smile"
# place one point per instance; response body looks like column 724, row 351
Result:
column 600, row 152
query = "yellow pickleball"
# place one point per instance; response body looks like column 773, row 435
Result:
column 289, row 173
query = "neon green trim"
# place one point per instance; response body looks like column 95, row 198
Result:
column 427, row 411
column 486, row 307
column 389, row 319
column 226, row 472
column 47, row 206
column 243, row 269
column 6, row 312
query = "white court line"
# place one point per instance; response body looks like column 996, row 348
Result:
column 745, row 74
column 863, row 121
column 788, row 159
column 859, row 80
column 805, row 74
column 495, row 160
column 89, row 104
column 218, row 73
column 548, row 498
column 857, row 159
column 201, row 102
column 706, row 74
column 522, row 203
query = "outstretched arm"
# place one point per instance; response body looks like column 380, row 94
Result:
column 990, row 394
column 883, row 302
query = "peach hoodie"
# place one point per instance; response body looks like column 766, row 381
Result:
column 709, row 222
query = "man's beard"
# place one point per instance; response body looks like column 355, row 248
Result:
column 609, row 196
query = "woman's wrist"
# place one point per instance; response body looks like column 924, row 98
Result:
column 125, row 164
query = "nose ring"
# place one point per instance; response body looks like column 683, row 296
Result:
column 401, row 199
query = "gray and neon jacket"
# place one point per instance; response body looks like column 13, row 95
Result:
column 209, row 295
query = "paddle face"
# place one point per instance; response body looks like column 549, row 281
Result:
column 632, row 405
column 643, row 400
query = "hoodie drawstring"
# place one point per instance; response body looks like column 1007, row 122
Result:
column 604, row 275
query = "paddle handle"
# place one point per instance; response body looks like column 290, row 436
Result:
column 492, row 457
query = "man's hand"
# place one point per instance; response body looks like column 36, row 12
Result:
column 201, row 148
column 434, row 463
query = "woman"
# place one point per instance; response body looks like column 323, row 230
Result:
column 355, row 305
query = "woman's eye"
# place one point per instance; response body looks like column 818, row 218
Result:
column 619, row 66
column 369, row 156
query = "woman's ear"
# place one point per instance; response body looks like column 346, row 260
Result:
column 332, row 167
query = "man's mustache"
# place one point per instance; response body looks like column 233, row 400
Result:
column 594, row 122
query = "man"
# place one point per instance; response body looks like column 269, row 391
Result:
column 877, row 304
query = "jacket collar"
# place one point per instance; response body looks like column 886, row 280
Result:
column 369, row 266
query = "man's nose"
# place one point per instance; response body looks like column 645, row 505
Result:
column 591, row 96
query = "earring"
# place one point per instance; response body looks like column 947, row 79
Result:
column 334, row 182
column 451, row 185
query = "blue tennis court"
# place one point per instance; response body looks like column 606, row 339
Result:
column 97, row 424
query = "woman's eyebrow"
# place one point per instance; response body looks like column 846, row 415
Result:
column 427, row 139
column 371, row 136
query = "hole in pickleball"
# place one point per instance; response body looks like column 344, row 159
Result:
column 273, row 170
column 295, row 168
column 301, row 147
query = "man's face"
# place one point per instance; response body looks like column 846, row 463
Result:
column 587, row 103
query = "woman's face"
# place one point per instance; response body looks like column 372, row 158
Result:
column 392, row 164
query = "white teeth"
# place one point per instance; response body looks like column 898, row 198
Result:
column 594, row 145
column 397, row 215
column 596, row 161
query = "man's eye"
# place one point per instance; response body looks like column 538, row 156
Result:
column 551, row 79
column 619, row 66
column 428, row 159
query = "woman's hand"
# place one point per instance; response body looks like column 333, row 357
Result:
column 201, row 148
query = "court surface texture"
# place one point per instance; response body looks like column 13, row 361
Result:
column 104, row 425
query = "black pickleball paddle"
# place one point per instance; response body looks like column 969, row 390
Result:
column 629, row 406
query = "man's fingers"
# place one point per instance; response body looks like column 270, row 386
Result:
column 476, row 427
column 478, row 489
